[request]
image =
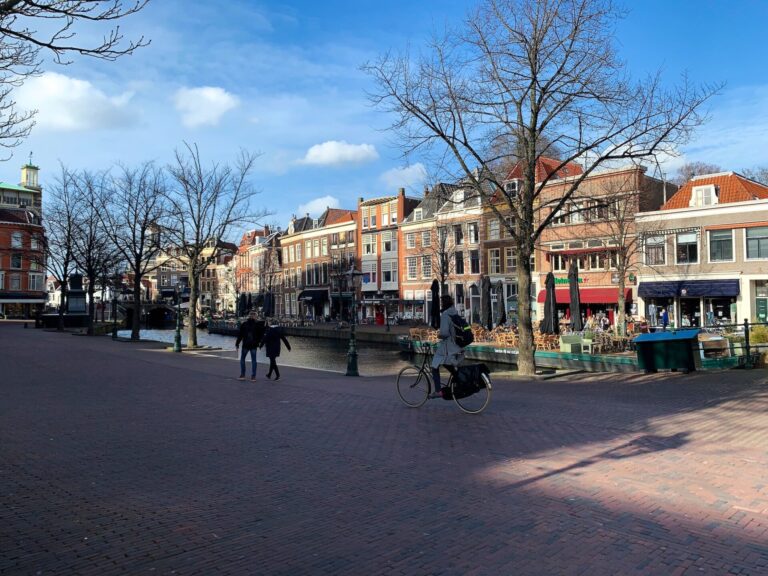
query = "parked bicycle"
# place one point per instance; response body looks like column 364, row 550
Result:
column 470, row 387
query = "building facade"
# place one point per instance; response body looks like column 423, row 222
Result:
column 22, row 247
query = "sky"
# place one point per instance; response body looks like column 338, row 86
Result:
column 283, row 79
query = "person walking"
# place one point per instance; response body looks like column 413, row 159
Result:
column 271, row 342
column 447, row 353
column 250, row 335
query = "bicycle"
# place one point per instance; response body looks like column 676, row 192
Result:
column 414, row 386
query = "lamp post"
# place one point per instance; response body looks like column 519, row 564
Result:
column 387, row 298
column 353, row 279
column 177, row 337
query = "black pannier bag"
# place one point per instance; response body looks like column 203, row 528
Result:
column 467, row 381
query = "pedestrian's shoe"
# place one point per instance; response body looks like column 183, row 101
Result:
column 438, row 394
column 253, row 378
column 269, row 375
column 277, row 378
column 241, row 377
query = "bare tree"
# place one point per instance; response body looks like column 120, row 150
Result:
column 93, row 251
column 207, row 204
column 28, row 29
column 61, row 218
column 131, row 207
column 521, row 70
column 758, row 174
column 691, row 169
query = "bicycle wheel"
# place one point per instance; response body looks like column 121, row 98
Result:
column 412, row 386
column 475, row 403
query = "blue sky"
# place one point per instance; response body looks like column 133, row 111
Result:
column 283, row 79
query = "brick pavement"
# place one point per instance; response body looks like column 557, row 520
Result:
column 120, row 458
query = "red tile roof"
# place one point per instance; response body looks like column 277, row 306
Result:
column 545, row 167
column 339, row 215
column 732, row 187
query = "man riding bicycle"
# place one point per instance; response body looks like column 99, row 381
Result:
column 447, row 353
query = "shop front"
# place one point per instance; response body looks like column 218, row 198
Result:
column 413, row 307
column 693, row 303
column 599, row 302
column 316, row 303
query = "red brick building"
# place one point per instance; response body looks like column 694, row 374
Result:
column 22, row 247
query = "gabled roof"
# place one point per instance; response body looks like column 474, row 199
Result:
column 433, row 200
column 732, row 187
column 545, row 167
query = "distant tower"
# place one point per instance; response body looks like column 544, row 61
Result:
column 29, row 174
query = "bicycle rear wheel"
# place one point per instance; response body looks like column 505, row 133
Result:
column 475, row 403
column 412, row 386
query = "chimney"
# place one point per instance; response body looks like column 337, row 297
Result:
column 401, row 192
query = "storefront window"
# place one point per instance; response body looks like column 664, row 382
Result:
column 757, row 242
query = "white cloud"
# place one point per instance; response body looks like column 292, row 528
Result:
column 67, row 104
column 316, row 207
column 339, row 152
column 203, row 106
column 414, row 175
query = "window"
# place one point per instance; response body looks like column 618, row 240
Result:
column 418, row 215
column 373, row 217
column 298, row 252
column 369, row 272
column 757, row 242
column 16, row 261
column 426, row 266
column 351, row 236
column 426, row 239
column 687, row 248
column 703, row 196
column 34, row 265
column 459, row 294
column 410, row 240
column 459, row 262
column 316, row 245
column 15, row 282
column 508, row 225
column 308, row 249
column 292, row 253
column 473, row 233
column 720, row 245
column 442, row 236
column 577, row 213
column 385, row 214
column 308, row 275
column 2, row 280
column 393, row 212
column 474, row 262
column 510, row 260
column 366, row 213
column 458, row 234
column 325, row 272
column 335, row 239
column 512, row 188
column 597, row 261
column 494, row 261
column 411, row 264
column 16, row 240
column 559, row 263
column 388, row 242
column 560, row 217
column 493, row 229
column 325, row 246
column 369, row 244
column 389, row 271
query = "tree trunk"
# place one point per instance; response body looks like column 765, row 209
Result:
column 62, row 306
column 193, row 282
column 526, row 363
column 91, row 304
column 620, row 323
column 136, row 317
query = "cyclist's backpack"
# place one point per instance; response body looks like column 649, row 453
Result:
column 462, row 331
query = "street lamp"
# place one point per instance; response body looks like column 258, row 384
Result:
column 177, row 337
column 353, row 281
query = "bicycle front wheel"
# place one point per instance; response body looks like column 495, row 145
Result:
column 475, row 403
column 412, row 386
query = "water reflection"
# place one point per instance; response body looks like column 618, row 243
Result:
column 317, row 353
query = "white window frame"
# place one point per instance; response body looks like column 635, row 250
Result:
column 426, row 266
column 663, row 244
column 14, row 282
column 35, row 282
column 410, row 240
column 698, row 249
column 418, row 215
column 510, row 259
column 412, row 267
column 369, row 244
column 733, row 246
column 746, row 244
column 559, row 262
column 426, row 239
column 494, row 261
column 393, row 212
column 325, row 246
column 494, row 229
column 17, row 239
column 473, row 233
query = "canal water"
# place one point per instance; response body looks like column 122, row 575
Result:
column 317, row 353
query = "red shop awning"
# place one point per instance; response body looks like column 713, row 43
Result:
column 588, row 295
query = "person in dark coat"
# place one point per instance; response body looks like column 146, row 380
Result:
column 271, row 342
column 251, row 333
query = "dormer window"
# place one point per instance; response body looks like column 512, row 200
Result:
column 704, row 196
column 418, row 215
column 512, row 188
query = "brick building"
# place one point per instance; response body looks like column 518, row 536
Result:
column 22, row 247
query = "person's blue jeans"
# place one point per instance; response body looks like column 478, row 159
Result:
column 243, row 353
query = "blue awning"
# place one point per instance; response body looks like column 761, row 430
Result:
column 689, row 289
